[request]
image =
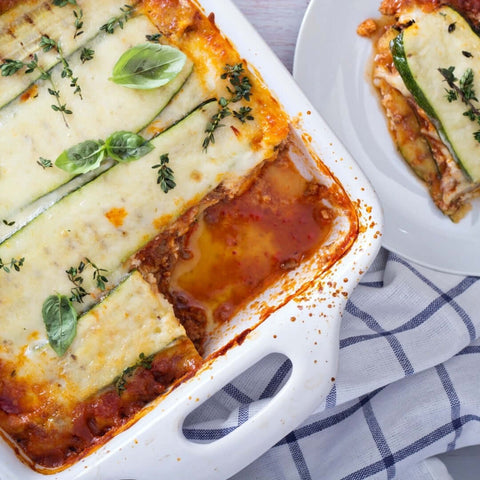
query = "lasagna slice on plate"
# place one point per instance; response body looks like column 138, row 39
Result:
column 426, row 69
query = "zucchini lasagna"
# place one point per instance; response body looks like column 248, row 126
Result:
column 426, row 70
column 149, row 189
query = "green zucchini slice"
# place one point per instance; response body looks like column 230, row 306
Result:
column 439, row 41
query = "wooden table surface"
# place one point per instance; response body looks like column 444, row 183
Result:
column 278, row 21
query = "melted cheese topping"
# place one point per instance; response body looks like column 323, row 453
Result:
column 132, row 320
column 126, row 109
column 22, row 27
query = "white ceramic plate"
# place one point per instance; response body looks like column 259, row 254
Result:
column 331, row 63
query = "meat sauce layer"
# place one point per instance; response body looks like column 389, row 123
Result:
column 53, row 444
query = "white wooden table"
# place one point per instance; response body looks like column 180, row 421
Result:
column 278, row 21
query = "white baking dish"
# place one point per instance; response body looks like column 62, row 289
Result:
column 154, row 446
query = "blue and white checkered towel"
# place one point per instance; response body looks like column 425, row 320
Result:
column 408, row 385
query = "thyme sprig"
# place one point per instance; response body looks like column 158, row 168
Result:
column 75, row 275
column 118, row 21
column 144, row 361
column 48, row 44
column 463, row 89
column 239, row 88
column 14, row 264
column 165, row 175
column 10, row 67
column 86, row 54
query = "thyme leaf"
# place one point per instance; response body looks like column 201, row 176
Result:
column 45, row 163
column 10, row 67
column 14, row 264
column 154, row 38
column 86, row 54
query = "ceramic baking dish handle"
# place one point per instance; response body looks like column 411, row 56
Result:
column 165, row 449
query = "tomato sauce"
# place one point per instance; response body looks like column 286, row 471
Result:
column 238, row 247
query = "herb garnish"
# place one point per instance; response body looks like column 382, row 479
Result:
column 45, row 163
column 165, row 175
column 143, row 362
column 78, row 292
column 147, row 66
column 63, row 3
column 127, row 146
column 10, row 67
column 60, row 319
column 59, row 315
column 78, row 23
column 48, row 44
column 463, row 89
column 120, row 20
column 82, row 158
column 239, row 89
column 13, row 265
column 88, row 155
column 154, row 38
column 86, row 54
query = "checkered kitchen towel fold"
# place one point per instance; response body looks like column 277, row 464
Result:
column 408, row 385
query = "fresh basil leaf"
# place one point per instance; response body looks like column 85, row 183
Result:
column 60, row 319
column 127, row 146
column 82, row 158
column 147, row 66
